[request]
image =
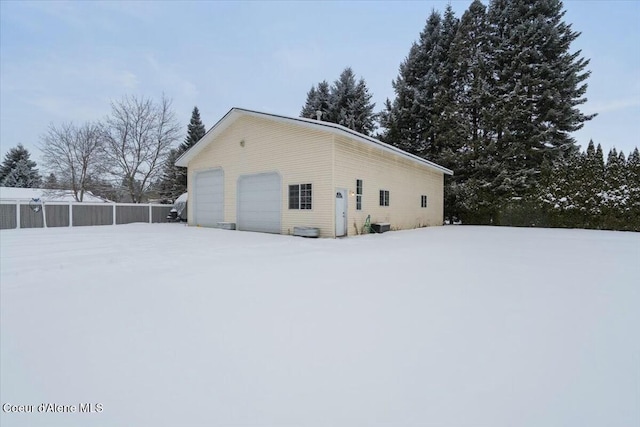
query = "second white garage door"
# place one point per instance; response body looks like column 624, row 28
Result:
column 208, row 197
column 259, row 202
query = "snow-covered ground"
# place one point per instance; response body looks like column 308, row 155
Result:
column 166, row 325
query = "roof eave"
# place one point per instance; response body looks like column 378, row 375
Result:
column 185, row 158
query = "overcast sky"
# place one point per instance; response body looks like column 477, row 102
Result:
column 65, row 61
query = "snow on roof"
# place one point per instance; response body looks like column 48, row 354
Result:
column 335, row 128
column 12, row 193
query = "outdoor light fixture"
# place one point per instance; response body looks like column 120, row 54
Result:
column 242, row 143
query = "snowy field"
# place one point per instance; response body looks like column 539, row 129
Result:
column 165, row 325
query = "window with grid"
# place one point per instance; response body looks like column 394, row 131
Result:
column 423, row 201
column 300, row 196
column 384, row 197
column 358, row 194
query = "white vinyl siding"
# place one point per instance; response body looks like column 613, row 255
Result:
column 298, row 154
column 405, row 180
column 303, row 155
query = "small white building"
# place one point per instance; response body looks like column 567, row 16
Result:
column 271, row 173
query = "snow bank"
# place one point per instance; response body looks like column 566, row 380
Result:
column 168, row 325
column 27, row 194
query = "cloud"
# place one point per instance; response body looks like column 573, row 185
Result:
column 127, row 79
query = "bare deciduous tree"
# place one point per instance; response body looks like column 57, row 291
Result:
column 138, row 136
column 75, row 154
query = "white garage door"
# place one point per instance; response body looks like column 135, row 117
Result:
column 208, row 200
column 259, row 203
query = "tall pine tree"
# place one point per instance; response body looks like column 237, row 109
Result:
column 174, row 179
column 447, row 136
column 195, row 131
column 471, row 76
column 469, row 149
column 318, row 99
column 346, row 102
column 494, row 97
column 409, row 119
column 537, row 87
column 172, row 183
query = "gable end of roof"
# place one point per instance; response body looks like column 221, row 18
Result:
column 334, row 128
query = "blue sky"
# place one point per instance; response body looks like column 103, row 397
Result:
column 65, row 61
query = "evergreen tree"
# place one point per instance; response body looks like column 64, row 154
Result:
column 632, row 174
column 617, row 191
column 105, row 189
column 471, row 81
column 557, row 192
column 615, row 182
column 582, row 191
column 347, row 102
column 409, row 119
column 18, row 170
column 590, row 188
column 624, row 183
column 537, row 87
column 447, row 137
column 195, row 131
column 342, row 95
column 318, row 99
column 21, row 176
column 464, row 143
column 310, row 107
column 173, row 181
column 362, row 110
column 51, row 182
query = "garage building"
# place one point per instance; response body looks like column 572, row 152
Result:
column 271, row 173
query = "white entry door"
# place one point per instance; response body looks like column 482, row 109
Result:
column 341, row 212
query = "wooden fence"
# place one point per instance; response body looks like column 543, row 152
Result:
column 18, row 214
